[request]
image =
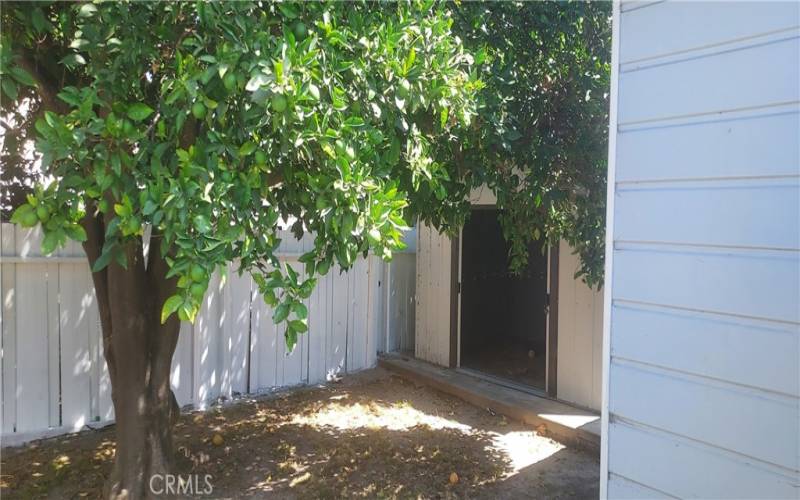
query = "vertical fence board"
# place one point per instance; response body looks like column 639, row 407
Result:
column 207, row 365
column 376, row 309
column 337, row 341
column 53, row 345
column 318, row 329
column 263, row 347
column 9, row 331
column 181, row 378
column 32, row 390
column 76, row 360
column 358, row 322
column 239, row 319
column 290, row 367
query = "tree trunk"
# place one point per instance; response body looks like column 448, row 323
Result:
column 138, row 350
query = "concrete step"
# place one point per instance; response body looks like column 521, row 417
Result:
column 561, row 421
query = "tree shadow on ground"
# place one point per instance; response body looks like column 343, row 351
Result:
column 373, row 436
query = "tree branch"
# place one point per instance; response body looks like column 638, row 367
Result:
column 47, row 89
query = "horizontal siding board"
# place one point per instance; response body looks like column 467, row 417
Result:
column 750, row 77
column 710, row 404
column 753, row 213
column 762, row 145
column 761, row 285
column 686, row 469
column 629, row 5
column 650, row 32
column 750, row 353
column 622, row 488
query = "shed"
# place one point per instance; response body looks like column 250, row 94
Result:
column 540, row 332
column 701, row 381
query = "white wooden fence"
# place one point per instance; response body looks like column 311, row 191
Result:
column 54, row 378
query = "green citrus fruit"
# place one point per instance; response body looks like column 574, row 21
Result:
column 42, row 213
column 197, row 273
column 127, row 127
column 197, row 290
column 29, row 219
column 199, row 110
column 278, row 103
column 229, row 81
column 261, row 157
column 300, row 31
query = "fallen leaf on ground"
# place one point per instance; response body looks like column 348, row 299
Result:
column 300, row 479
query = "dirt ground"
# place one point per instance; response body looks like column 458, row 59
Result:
column 372, row 435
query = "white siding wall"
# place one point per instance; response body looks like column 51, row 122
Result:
column 53, row 375
column 580, row 335
column 702, row 351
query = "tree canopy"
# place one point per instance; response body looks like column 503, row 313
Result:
column 215, row 123
column 540, row 138
column 220, row 123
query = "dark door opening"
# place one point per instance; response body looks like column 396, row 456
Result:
column 503, row 316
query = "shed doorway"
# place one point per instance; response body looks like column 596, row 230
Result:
column 503, row 317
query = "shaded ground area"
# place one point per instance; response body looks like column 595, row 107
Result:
column 372, row 435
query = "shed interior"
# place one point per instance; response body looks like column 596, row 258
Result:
column 503, row 315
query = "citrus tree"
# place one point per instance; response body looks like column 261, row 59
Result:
column 200, row 128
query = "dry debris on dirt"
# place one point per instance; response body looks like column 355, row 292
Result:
column 373, row 435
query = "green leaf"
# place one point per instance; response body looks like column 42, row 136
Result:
column 314, row 91
column 52, row 240
column 102, row 261
column 73, row 60
column 247, row 148
column 38, row 20
column 298, row 325
column 149, row 207
column 288, row 10
column 256, row 82
column 139, row 111
column 76, row 232
column 201, row 223
column 22, row 76
column 323, row 267
column 300, row 310
column 9, row 88
column 25, row 216
column 281, row 313
column 412, row 56
column 87, row 10
column 170, row 306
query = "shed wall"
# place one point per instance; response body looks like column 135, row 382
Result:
column 433, row 291
column 703, row 327
column 580, row 335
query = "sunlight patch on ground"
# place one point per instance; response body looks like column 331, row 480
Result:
column 400, row 416
column 524, row 448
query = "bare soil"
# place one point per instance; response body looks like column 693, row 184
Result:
column 372, row 435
